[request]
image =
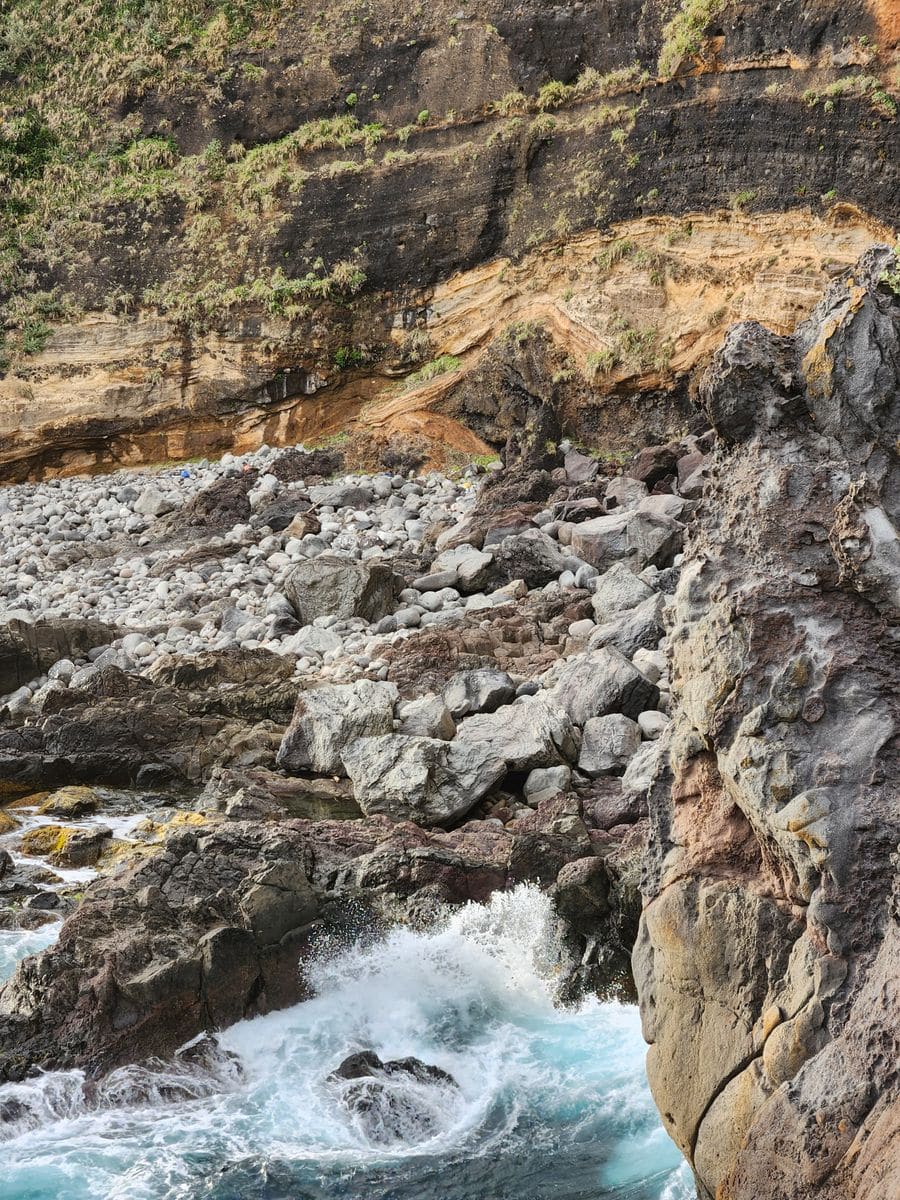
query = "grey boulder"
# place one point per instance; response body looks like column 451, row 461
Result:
column 533, row 732
column 608, row 745
column 603, row 681
column 327, row 720
column 426, row 716
column 531, row 555
column 419, row 779
column 478, row 691
column 617, row 590
column 341, row 587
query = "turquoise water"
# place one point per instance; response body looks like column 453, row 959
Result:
column 550, row 1103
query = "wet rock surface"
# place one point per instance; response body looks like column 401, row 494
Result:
column 480, row 728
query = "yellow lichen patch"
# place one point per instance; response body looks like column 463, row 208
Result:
column 149, row 830
column 149, row 838
column 119, row 851
column 817, row 367
column 46, row 840
column 69, row 802
column 31, row 800
column 7, row 823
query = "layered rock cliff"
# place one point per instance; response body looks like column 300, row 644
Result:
column 230, row 224
column 768, row 960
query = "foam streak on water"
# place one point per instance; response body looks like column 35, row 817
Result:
column 551, row 1103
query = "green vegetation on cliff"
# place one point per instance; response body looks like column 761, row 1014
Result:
column 213, row 158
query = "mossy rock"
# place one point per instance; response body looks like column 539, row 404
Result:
column 45, row 840
column 7, row 823
column 66, row 846
column 156, row 831
column 30, row 800
column 70, row 802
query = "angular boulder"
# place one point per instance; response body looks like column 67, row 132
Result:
column 533, row 732
column 468, row 564
column 603, row 681
column 617, row 590
column 609, row 743
column 478, row 691
column 341, row 587
column 530, row 555
column 426, row 716
column 328, row 720
column 640, row 538
column 420, row 779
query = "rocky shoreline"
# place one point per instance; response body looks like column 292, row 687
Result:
column 322, row 695
column 355, row 700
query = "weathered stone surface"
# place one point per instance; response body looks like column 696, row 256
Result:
column 608, row 744
column 469, row 565
column 545, row 782
column 70, row 802
column 639, row 538
column 257, row 793
column 531, row 556
column 233, row 667
column 328, row 720
column 205, row 933
column 428, row 716
column 769, row 950
column 639, row 628
column 603, row 540
column 333, row 586
column 27, row 650
column 603, row 681
column 533, row 732
column 153, row 503
column 617, row 590
column 478, row 691
column 425, row 780
column 341, row 495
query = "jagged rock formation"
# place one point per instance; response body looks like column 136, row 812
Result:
column 768, row 959
column 249, row 235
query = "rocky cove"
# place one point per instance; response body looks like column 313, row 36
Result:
column 272, row 728
column 449, row 577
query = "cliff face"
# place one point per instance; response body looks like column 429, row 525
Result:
column 218, row 212
column 767, row 962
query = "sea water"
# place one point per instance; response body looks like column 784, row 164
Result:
column 551, row 1102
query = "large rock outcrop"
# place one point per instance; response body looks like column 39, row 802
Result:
column 768, row 958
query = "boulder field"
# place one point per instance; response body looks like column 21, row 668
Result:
column 664, row 690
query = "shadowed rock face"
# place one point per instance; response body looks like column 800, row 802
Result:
column 768, row 957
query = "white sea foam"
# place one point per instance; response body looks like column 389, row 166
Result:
column 549, row 1101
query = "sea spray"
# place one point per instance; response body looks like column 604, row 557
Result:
column 548, row 1102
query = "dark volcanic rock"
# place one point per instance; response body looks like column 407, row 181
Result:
column 769, row 949
column 28, row 650
column 384, row 1099
column 211, row 929
column 365, row 1064
column 199, row 936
